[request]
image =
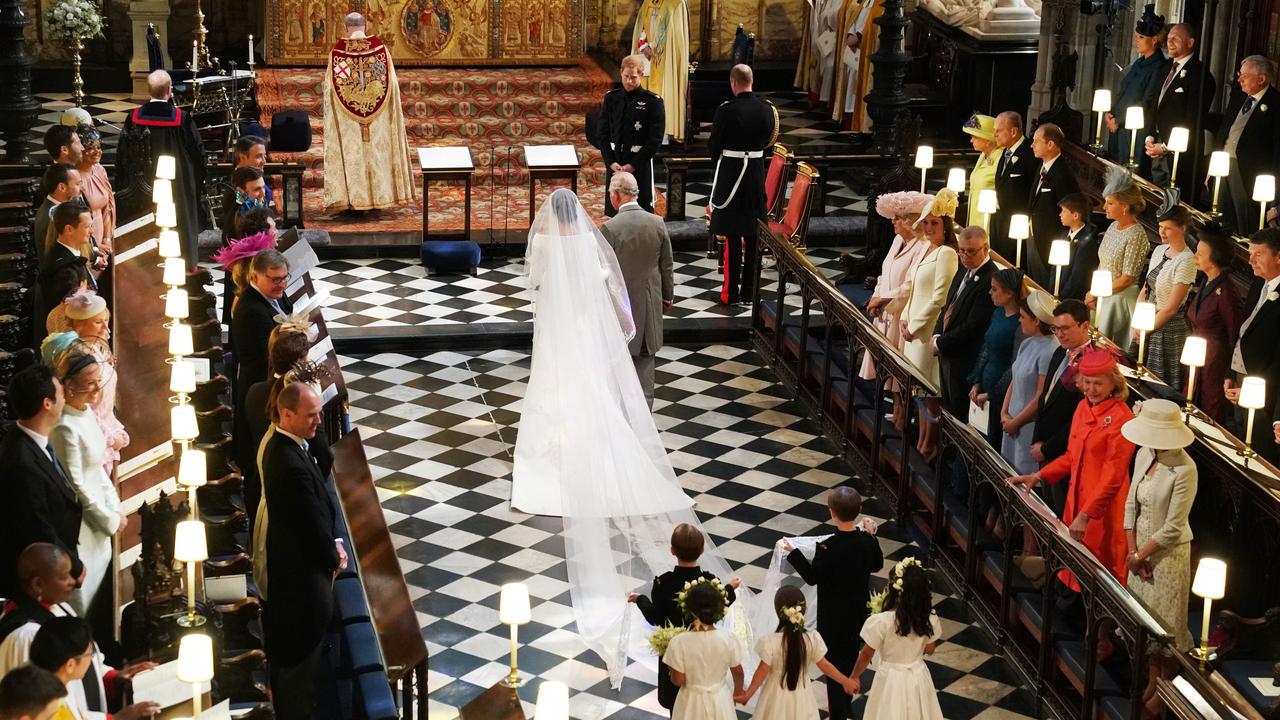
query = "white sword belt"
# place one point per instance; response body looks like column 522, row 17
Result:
column 634, row 148
column 744, row 156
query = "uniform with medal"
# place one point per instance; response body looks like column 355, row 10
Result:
column 744, row 130
column 633, row 122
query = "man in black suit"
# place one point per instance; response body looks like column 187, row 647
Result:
column 1074, row 213
column 1057, row 404
column 1180, row 104
column 1250, row 135
column 1015, row 175
column 1053, row 182
column 61, row 183
column 957, row 338
column 1256, row 351
column 303, row 555
column 251, row 325
column 40, row 503
column 72, row 225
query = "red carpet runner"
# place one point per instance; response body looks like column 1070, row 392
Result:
column 486, row 109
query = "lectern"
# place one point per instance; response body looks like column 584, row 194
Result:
column 550, row 162
column 447, row 163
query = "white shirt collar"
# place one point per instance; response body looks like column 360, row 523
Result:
column 302, row 442
column 53, row 202
column 629, row 204
column 41, row 441
column 1258, row 95
column 1071, row 234
column 76, row 251
column 1018, row 144
column 1049, row 163
column 270, row 301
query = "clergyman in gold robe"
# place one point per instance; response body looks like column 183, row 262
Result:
column 366, row 148
column 853, row 69
column 661, row 35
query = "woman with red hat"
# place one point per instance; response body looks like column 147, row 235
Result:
column 1096, row 497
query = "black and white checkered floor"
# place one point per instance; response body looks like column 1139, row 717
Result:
column 396, row 292
column 440, row 431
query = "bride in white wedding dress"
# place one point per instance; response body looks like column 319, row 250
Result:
column 587, row 448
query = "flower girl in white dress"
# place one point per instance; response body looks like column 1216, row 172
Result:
column 700, row 657
column 903, row 634
column 785, row 657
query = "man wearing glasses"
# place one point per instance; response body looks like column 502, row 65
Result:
column 1057, row 404
column 251, row 324
column 957, row 337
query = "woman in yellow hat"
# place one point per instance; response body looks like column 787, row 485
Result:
column 982, row 133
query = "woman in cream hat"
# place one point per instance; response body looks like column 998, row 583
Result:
column 982, row 135
column 1156, row 525
column 1028, row 376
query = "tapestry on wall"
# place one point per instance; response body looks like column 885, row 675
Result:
column 433, row 32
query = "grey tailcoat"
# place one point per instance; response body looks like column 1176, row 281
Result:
column 640, row 240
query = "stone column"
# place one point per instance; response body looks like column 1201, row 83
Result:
column 1041, row 89
column 18, row 109
column 887, row 99
column 143, row 13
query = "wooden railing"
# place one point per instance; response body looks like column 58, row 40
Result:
column 812, row 335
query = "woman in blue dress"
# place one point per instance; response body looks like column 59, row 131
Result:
column 990, row 376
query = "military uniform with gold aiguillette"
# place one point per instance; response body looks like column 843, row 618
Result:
column 633, row 129
column 742, row 134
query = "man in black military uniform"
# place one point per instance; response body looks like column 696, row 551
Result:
column 743, row 131
column 633, row 125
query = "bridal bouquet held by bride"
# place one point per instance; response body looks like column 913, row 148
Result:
column 587, row 448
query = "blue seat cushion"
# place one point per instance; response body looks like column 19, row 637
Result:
column 1072, row 654
column 376, row 697
column 993, row 561
column 362, row 646
column 1238, row 673
column 1116, row 708
column 348, row 595
column 450, row 255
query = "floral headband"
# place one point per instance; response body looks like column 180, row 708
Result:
column 900, row 569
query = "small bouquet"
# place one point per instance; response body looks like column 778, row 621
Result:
column 74, row 19
column 878, row 601
column 661, row 638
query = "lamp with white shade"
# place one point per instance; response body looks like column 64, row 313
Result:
column 1210, row 583
column 553, row 701
column 1179, row 139
column 1194, row 350
column 1020, row 230
column 924, row 161
column 1059, row 257
column 176, row 304
column 1144, row 321
column 170, row 247
column 1253, row 397
column 1133, row 122
column 513, row 610
column 166, row 215
column 1099, row 288
column 182, row 378
column 162, row 191
column 190, row 547
column 1264, row 191
column 1102, row 106
column 166, row 167
column 195, row 665
column 182, row 423
column 175, row 272
column 1219, row 166
column 988, row 206
column 193, row 469
column 956, row 180
column 181, row 342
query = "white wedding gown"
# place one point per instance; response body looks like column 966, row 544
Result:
column 587, row 448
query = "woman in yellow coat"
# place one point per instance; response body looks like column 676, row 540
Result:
column 982, row 135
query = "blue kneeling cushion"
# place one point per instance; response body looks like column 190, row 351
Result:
column 450, row 255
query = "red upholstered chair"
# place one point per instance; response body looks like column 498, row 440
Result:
column 795, row 221
column 775, row 181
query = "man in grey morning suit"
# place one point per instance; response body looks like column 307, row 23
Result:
column 640, row 240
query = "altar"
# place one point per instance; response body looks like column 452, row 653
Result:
column 433, row 32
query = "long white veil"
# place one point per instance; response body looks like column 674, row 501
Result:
column 586, row 433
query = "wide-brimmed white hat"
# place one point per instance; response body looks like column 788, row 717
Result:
column 1159, row 426
column 1042, row 304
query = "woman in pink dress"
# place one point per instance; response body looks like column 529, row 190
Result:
column 893, row 287
column 96, row 187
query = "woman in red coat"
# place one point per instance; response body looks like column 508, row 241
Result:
column 1097, row 461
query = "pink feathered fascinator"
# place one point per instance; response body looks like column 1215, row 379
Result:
column 245, row 247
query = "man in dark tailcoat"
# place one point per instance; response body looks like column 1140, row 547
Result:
column 1015, row 176
column 1180, row 104
column 173, row 132
column 1053, row 182
column 303, row 555
column 1250, row 135
column 742, row 133
column 957, row 338
column 633, row 120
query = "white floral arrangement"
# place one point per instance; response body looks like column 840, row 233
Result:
column 72, row 19
column 661, row 638
column 713, row 582
column 794, row 615
column 876, row 603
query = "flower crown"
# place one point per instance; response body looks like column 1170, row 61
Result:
column 243, row 248
column 877, row 601
column 793, row 615
column 713, row 582
column 900, row 569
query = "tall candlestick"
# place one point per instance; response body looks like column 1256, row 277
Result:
column 195, row 59
column 250, row 52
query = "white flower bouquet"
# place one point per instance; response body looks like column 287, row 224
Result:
column 73, row 19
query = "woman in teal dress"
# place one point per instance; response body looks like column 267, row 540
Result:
column 991, row 373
